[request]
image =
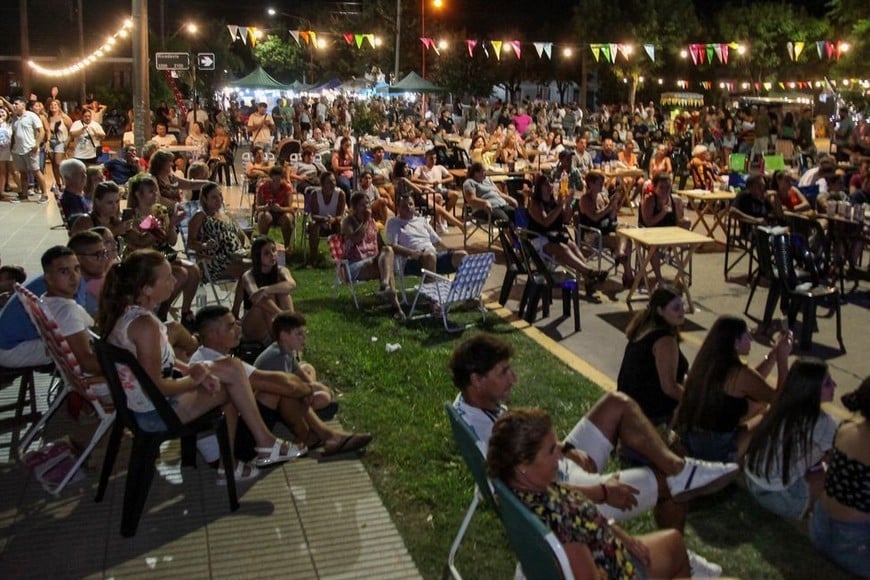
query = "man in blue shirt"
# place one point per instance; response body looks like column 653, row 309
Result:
column 122, row 169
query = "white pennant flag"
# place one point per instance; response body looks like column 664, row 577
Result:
column 295, row 35
column 243, row 32
column 539, row 48
column 650, row 51
column 548, row 50
column 234, row 31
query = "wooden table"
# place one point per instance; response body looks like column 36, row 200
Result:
column 183, row 149
column 709, row 203
column 647, row 241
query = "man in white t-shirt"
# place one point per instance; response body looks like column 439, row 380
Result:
column 62, row 278
column 87, row 135
column 260, row 127
column 411, row 236
column 437, row 178
column 281, row 396
column 162, row 137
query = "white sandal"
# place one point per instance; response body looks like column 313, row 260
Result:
column 275, row 456
column 238, row 473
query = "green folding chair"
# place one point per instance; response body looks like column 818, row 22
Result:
column 468, row 445
column 540, row 553
column 737, row 162
column 773, row 163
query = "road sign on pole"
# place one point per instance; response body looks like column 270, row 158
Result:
column 205, row 60
column 172, row 60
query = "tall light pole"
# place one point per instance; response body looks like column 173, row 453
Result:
column 398, row 38
column 141, row 96
column 436, row 4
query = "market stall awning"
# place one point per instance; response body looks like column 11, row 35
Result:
column 258, row 79
column 414, row 83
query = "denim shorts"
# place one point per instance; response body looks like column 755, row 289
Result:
column 711, row 445
column 791, row 502
column 357, row 267
column 151, row 421
column 846, row 543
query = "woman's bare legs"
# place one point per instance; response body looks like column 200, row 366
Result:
column 257, row 323
column 56, row 159
column 668, row 557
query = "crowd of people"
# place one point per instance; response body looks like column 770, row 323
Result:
column 690, row 428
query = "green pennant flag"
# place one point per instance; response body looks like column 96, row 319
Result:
column 358, row 38
column 711, row 50
column 605, row 50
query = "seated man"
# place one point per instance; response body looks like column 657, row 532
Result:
column 369, row 257
column 93, row 259
column 307, row 172
column 259, row 167
column 121, row 170
column 382, row 171
column 274, row 206
column 9, row 276
column 382, row 206
column 72, row 200
column 485, row 199
column 481, row 370
column 280, row 395
column 753, row 205
column 327, row 210
column 318, row 142
column 162, row 138
column 411, row 236
column 435, row 178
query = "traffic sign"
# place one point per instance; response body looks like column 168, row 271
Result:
column 205, row 60
column 172, row 60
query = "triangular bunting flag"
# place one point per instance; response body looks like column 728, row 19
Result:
column 605, row 52
column 693, row 50
column 470, row 44
column 234, row 31
column 790, row 46
column 548, row 50
column 348, row 37
column 718, row 49
column 295, row 35
column 782, row 86
column 243, row 34
column 829, row 49
column 496, row 46
column 839, row 49
column 485, row 50
column 358, row 38
column 725, row 48
column 710, row 53
column 798, row 49
column 613, row 50
column 371, row 38
column 820, row 47
column 305, row 37
column 313, row 36
column 768, row 86
column 596, row 50
column 539, row 48
column 650, row 51
column 517, row 48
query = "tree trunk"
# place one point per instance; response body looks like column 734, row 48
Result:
column 632, row 90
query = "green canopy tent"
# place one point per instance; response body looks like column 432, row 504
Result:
column 414, row 83
column 258, row 79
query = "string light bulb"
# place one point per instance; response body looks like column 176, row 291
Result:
column 122, row 32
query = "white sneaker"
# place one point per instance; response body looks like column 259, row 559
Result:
column 443, row 228
column 702, row 567
column 699, row 478
column 42, row 199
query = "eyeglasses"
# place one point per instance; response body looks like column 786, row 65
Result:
column 101, row 255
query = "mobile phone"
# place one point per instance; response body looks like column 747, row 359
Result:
column 126, row 214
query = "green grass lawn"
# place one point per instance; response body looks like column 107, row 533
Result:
column 417, row 468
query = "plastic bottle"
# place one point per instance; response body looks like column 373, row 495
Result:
column 563, row 184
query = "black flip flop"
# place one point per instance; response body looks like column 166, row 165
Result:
column 328, row 412
column 349, row 447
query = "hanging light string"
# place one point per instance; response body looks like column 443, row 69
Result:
column 87, row 61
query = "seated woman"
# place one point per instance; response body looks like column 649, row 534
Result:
column 160, row 232
column 549, row 217
column 787, row 196
column 524, row 454
column 704, row 172
column 661, row 209
column 724, row 397
column 511, row 148
column 258, row 168
column 477, row 149
column 785, row 461
column 840, row 526
column 132, row 291
column 169, row 185
column 197, row 138
column 660, row 162
column 264, row 290
column 342, row 165
column 598, row 210
column 218, row 241
column 370, row 258
column 274, row 206
column 653, row 367
column 105, row 212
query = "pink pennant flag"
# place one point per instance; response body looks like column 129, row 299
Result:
column 516, row 45
column 724, row 53
column 829, row 49
column 470, row 44
column 295, row 35
column 693, row 50
column 348, row 37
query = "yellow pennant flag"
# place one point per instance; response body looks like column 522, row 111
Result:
column 496, row 46
column 798, row 49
